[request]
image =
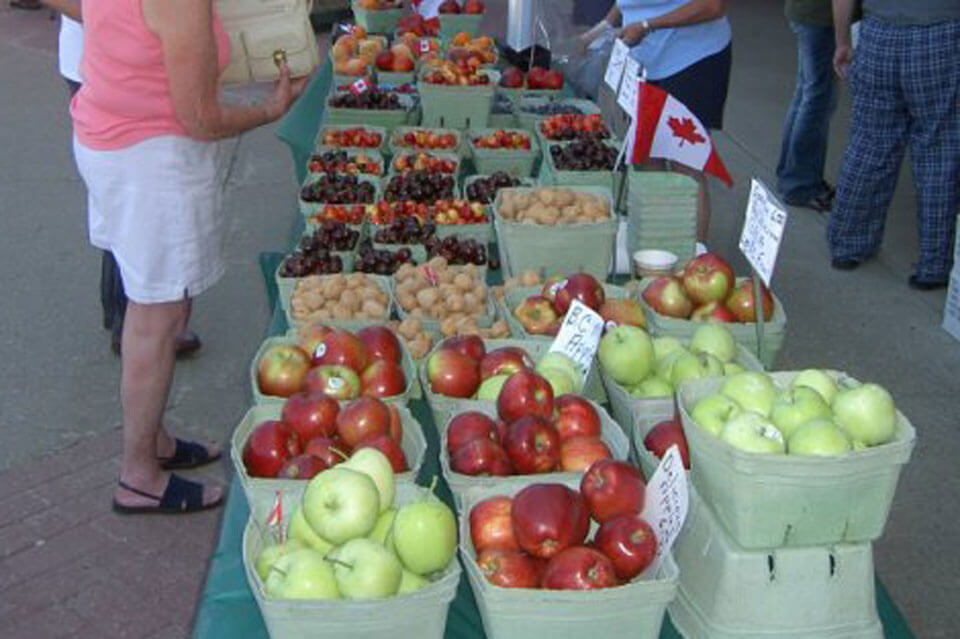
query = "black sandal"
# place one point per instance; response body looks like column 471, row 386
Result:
column 187, row 455
column 26, row 6
column 180, row 496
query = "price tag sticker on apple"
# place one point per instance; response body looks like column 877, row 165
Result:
column 666, row 502
column 763, row 228
column 579, row 336
column 618, row 60
column 424, row 46
column 630, row 88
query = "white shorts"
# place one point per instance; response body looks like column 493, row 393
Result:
column 157, row 207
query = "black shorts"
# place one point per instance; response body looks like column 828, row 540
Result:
column 702, row 87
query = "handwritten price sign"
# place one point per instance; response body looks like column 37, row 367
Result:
column 618, row 60
column 667, row 502
column 762, row 230
column 630, row 88
column 579, row 336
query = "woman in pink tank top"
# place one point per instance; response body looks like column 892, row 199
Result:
column 147, row 123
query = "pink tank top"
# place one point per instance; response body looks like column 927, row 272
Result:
column 125, row 97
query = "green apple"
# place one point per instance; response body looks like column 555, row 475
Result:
column 560, row 381
column 818, row 381
column 490, row 388
column 866, row 413
column 340, row 504
column 796, row 406
column 626, row 354
column 411, row 583
column 751, row 432
column 819, row 437
column 365, row 570
column 270, row 554
column 652, row 387
column 732, row 368
column 374, row 464
column 716, row 340
column 754, row 391
column 689, row 366
column 384, row 525
column 302, row 574
column 425, row 536
column 663, row 346
column 300, row 530
column 557, row 359
column 713, row 411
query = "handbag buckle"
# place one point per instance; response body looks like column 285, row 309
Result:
column 280, row 57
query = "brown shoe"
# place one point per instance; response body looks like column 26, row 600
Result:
column 188, row 344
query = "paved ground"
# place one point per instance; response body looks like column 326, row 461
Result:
column 70, row 568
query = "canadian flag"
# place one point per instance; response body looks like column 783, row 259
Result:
column 360, row 86
column 665, row 128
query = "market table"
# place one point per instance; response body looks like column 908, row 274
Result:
column 227, row 609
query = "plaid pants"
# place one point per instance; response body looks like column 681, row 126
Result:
column 906, row 88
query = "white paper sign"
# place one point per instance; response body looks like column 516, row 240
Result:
column 428, row 8
column 630, row 88
column 762, row 230
column 666, row 501
column 579, row 335
column 618, row 59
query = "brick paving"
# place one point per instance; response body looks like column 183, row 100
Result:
column 69, row 567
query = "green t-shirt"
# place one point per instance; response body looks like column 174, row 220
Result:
column 917, row 12
column 818, row 13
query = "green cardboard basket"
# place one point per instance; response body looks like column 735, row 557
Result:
column 491, row 231
column 513, row 297
column 386, row 118
column 514, row 162
column 662, row 213
column 373, row 156
column 452, row 24
column 640, row 427
column 776, row 501
column 550, row 174
column 309, row 208
column 377, row 21
column 319, row 142
column 528, row 120
column 286, row 286
column 396, row 144
column 457, row 107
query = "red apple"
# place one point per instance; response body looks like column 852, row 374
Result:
column 491, row 525
column 338, row 382
column 281, row 370
column 741, row 302
column 383, row 378
column 707, row 278
column 536, row 78
column 468, row 426
column 548, row 518
column 452, row 374
column 579, row 568
column 513, row 78
column 553, row 80
column 611, row 488
column 623, row 312
column 469, row 345
column 311, row 415
column 532, row 445
column 536, row 314
column 396, row 423
column 582, row 287
column 506, row 360
column 362, row 420
column 302, row 467
column 473, row 7
column 268, row 447
column 389, row 447
column 384, row 60
column 381, row 343
column 575, row 417
column 665, row 295
column 664, row 435
column 341, row 348
column 508, row 569
column 713, row 312
column 525, row 393
column 579, row 453
column 481, row 457
column 449, row 6
column 328, row 450
column 403, row 64
column 629, row 542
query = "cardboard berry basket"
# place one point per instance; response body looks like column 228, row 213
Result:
column 261, row 492
column 634, row 610
column 382, row 132
column 395, row 78
column 397, row 145
column 421, row 614
column 827, row 592
column 409, row 369
column 775, row 500
column 515, row 95
column 372, row 164
column 377, row 20
column 457, row 107
column 455, row 23
column 287, row 286
column 432, row 326
column 515, row 162
column 640, row 426
column 460, row 484
column 550, row 174
column 452, row 156
column 514, row 296
column 386, row 118
column 662, row 213
column 491, row 234
column 561, row 248
column 745, row 334
column 527, row 120
column 310, row 208
column 545, row 142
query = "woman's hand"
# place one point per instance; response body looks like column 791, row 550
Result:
column 842, row 59
column 633, row 34
column 285, row 93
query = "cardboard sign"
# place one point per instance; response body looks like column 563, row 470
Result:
column 630, row 88
column 579, row 336
column 618, row 60
column 762, row 230
column 667, row 501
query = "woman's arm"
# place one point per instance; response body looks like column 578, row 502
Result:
column 694, row 12
column 185, row 29
column 69, row 8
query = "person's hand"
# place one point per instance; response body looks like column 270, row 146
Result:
column 285, row 93
column 633, row 34
column 842, row 59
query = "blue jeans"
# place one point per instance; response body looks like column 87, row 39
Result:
column 807, row 126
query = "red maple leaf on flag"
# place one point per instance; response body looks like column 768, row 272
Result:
column 686, row 130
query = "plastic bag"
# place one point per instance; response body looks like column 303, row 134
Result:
column 585, row 71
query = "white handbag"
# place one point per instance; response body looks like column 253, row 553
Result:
column 264, row 33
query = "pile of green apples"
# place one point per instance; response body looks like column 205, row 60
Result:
column 348, row 539
column 813, row 416
column 655, row 367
